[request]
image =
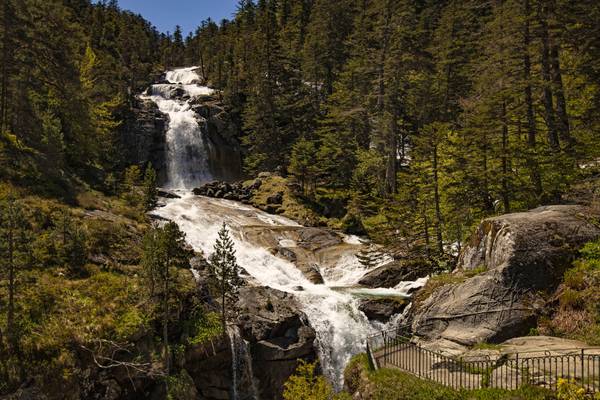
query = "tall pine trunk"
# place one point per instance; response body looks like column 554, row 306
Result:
column 10, row 318
column 505, row 169
column 564, row 129
column 534, row 168
column 5, row 70
column 392, row 157
column 436, row 198
column 546, row 76
column 166, row 322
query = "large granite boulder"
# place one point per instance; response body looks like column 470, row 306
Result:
column 382, row 309
column 520, row 256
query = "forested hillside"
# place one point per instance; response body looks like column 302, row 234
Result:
column 70, row 71
column 420, row 117
column 403, row 121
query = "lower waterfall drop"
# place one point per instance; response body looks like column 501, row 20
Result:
column 241, row 366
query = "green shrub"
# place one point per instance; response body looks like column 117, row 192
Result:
column 206, row 327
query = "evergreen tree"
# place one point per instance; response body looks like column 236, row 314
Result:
column 164, row 252
column 15, row 239
column 224, row 275
column 150, row 189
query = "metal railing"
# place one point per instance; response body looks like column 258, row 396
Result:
column 394, row 349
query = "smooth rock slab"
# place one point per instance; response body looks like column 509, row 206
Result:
column 523, row 254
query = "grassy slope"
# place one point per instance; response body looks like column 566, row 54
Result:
column 391, row 384
column 61, row 314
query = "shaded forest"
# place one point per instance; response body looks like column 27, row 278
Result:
column 420, row 117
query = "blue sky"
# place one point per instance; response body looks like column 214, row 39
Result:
column 165, row 14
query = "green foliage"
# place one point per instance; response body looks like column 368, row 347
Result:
column 224, row 274
column 150, row 190
column 180, row 386
column 393, row 384
column 578, row 315
column 306, row 384
column 131, row 185
column 569, row 390
column 206, row 327
column 303, row 164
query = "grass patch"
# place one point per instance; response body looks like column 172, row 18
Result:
column 487, row 346
column 393, row 384
column 291, row 207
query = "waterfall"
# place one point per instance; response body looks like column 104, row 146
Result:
column 332, row 308
column 241, row 367
column 187, row 146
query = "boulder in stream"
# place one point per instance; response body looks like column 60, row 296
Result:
column 382, row 309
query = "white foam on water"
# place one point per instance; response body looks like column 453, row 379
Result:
column 187, row 145
column 340, row 326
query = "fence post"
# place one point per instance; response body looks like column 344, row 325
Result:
column 517, row 369
column 582, row 370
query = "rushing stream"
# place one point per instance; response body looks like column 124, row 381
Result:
column 332, row 311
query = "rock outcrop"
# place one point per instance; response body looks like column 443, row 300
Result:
column 382, row 309
column 225, row 158
column 278, row 334
column 521, row 255
column 275, row 334
column 391, row 274
column 237, row 191
column 143, row 135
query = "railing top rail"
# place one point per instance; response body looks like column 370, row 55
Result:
column 542, row 353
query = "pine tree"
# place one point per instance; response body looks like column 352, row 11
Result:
column 15, row 239
column 303, row 164
column 164, row 252
column 150, row 189
column 224, row 274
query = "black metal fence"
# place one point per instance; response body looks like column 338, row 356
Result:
column 393, row 349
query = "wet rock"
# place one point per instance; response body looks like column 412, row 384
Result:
column 382, row 309
column 167, row 194
column 230, row 196
column 279, row 335
column 314, row 239
column 389, row 275
column 523, row 254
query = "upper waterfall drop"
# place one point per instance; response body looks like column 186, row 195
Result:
column 187, row 146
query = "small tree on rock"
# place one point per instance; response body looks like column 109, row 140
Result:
column 224, row 274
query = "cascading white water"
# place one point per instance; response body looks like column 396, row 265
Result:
column 241, row 365
column 332, row 308
column 187, row 147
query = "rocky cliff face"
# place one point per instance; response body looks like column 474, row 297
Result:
column 143, row 136
column 225, row 161
column 522, row 255
column 274, row 334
